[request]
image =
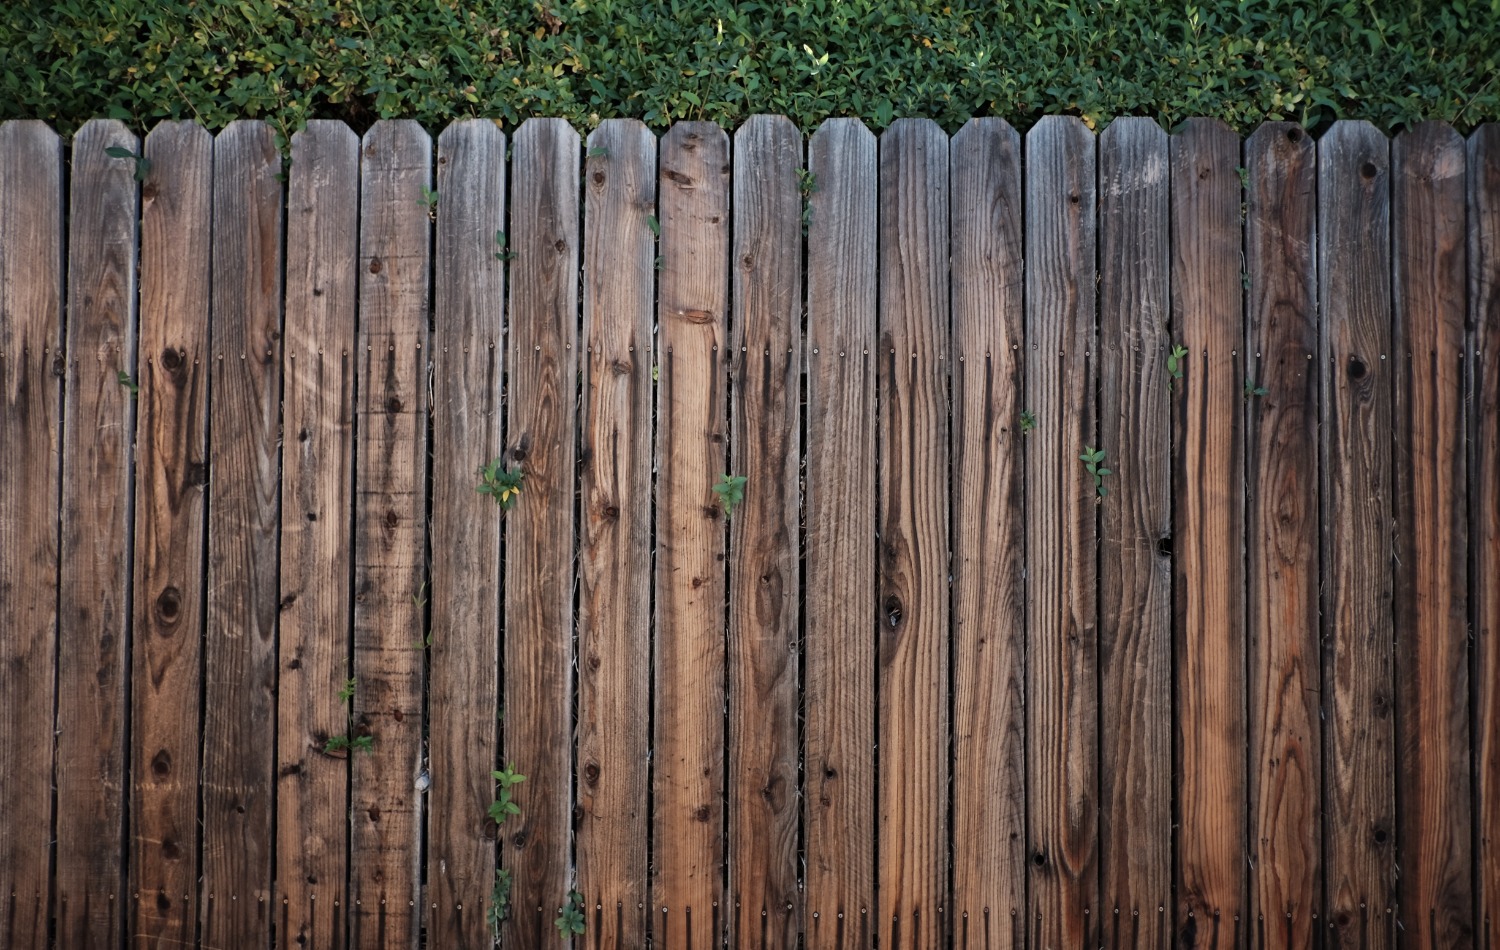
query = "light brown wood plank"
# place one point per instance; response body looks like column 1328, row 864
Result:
column 541, row 399
column 31, row 322
column 1061, row 534
column 1484, row 509
column 614, row 563
column 839, row 512
column 98, row 432
column 171, row 473
column 1208, row 518
column 1135, row 567
column 1281, row 543
column 317, row 505
column 1354, row 262
column 390, row 512
column 239, row 754
column 691, row 435
column 912, row 561
column 989, row 609
column 1433, row 829
column 764, row 585
column 463, row 680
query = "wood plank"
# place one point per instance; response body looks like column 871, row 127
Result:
column 764, row 586
column 1135, row 567
column 31, row 322
column 1061, row 534
column 1354, row 255
column 1281, row 543
column 542, row 415
column 1484, row 515
column 912, row 519
column 691, row 434
column 614, row 623
column 1434, row 847
column 317, row 506
column 390, row 515
column 989, row 620
column 98, row 431
column 464, row 670
column 243, row 521
column 839, row 512
column 176, row 236
column 1208, row 517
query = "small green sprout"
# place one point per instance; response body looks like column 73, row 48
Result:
column 501, row 483
column 731, row 491
column 126, row 380
column 499, row 907
column 345, row 743
column 1028, row 421
column 1093, row 463
column 653, row 224
column 1175, row 363
column 505, row 253
column 502, row 807
column 347, row 692
column 570, row 916
column 1251, row 389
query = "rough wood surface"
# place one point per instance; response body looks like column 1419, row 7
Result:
column 1354, row 261
column 839, row 513
column 98, row 432
column 1484, row 509
column 1061, row 535
column 1209, row 529
column 1135, row 568
column 1433, row 829
column 989, row 621
column 463, row 678
column 614, row 563
column 317, row 506
column 168, row 602
column 390, row 529
column 764, row 588
column 912, row 524
column 31, row 322
column 691, row 434
column 1281, row 542
column 542, row 413
column 239, row 753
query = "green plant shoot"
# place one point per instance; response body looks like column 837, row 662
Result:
column 501, row 483
column 1028, row 421
column 1175, row 363
column 570, row 916
column 142, row 163
column 1093, row 463
column 731, row 491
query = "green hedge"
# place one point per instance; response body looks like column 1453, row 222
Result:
column 436, row 60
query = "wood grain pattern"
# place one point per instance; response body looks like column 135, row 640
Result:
column 390, row 513
column 614, row 624
column 989, row 621
column 1484, row 516
column 540, row 423
column 691, row 432
column 1435, row 889
column 1208, row 522
column 1061, row 535
column 97, row 487
column 1281, row 525
column 243, row 521
column 168, row 603
column 912, row 518
column 463, row 678
column 839, row 513
column 1135, row 568
column 764, row 588
column 1354, row 255
column 317, row 508
column 31, row 323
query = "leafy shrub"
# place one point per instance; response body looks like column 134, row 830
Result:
column 438, row 60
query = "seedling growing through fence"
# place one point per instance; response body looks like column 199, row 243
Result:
column 505, row 253
column 502, row 807
column 129, row 383
column 344, row 743
column 430, row 199
column 653, row 224
column 347, row 692
column 807, row 184
column 499, row 907
column 1028, row 421
column 501, row 483
column 142, row 163
column 1175, row 363
column 1251, row 389
column 1093, row 463
column 570, row 916
column 731, row 491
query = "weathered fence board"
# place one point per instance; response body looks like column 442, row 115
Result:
column 988, row 560
column 765, row 448
column 839, row 515
column 317, row 510
column 1135, row 568
column 168, row 603
column 929, row 683
column 31, row 339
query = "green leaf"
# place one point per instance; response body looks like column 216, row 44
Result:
column 731, row 491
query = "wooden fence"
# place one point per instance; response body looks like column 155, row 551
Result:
column 931, row 682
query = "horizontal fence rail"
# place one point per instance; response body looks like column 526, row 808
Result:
column 907, row 541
